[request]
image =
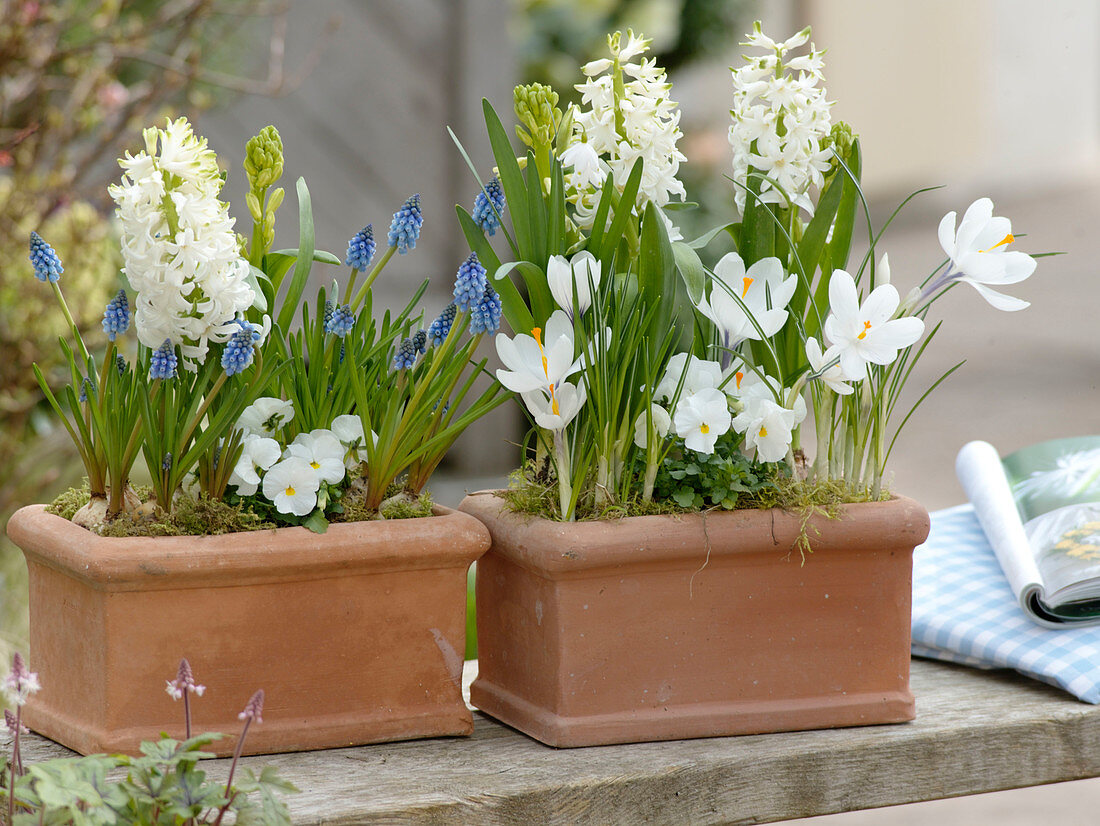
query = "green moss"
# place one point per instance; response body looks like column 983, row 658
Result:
column 70, row 501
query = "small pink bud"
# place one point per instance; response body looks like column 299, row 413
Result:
column 11, row 724
column 21, row 682
column 254, row 708
column 185, row 681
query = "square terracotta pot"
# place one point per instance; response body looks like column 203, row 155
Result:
column 356, row 636
column 670, row 627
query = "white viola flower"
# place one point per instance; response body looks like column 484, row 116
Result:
column 762, row 295
column 348, row 428
column 866, row 333
column 625, row 114
column 324, row 453
column 699, row 419
column 534, row 363
column 831, row 375
column 292, row 486
column 257, row 453
column 582, row 272
column 767, row 425
column 265, row 416
column 780, row 121
column 178, row 246
column 661, row 424
column 555, row 408
column 697, row 374
column 980, row 256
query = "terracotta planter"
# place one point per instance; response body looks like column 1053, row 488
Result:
column 356, row 636
column 661, row 627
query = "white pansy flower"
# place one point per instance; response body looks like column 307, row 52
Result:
column 832, row 376
column 866, row 333
column 780, row 120
column 535, row 363
column 661, row 424
column 582, row 272
column 698, row 374
column 265, row 416
column 257, row 453
column 178, row 246
column 980, row 256
column 324, row 453
column 739, row 298
column 556, row 406
column 701, row 418
column 767, row 426
column 348, row 428
column 292, row 485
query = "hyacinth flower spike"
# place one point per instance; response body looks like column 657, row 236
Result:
column 403, row 234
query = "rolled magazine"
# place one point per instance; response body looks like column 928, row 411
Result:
column 1040, row 510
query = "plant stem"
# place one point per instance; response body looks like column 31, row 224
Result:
column 565, row 489
column 359, row 296
column 229, row 793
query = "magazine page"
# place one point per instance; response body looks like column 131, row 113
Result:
column 982, row 476
column 1056, row 486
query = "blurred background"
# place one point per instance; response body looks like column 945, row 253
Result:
column 997, row 98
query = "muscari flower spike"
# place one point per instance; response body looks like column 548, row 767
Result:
column 238, row 351
column 488, row 206
column 470, row 283
column 340, row 321
column 162, row 364
column 116, row 318
column 405, row 228
column 166, row 462
column 420, row 341
column 120, row 363
column 438, row 329
column 84, row 385
column 361, row 248
column 47, row 266
column 485, row 315
column 406, row 355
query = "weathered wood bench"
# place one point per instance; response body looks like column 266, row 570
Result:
column 975, row 732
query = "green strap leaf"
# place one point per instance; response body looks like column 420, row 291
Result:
column 304, row 261
column 690, row 269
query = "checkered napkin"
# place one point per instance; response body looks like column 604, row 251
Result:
column 964, row 612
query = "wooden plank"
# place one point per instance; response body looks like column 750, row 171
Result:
column 975, row 732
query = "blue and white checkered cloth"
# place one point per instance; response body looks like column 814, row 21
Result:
column 964, row 612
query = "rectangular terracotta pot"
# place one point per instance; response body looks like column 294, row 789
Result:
column 670, row 627
column 356, row 636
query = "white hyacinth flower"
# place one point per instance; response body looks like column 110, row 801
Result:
column 178, row 245
column 292, row 486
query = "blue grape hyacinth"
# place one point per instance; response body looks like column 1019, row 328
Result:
column 470, row 283
column 47, row 266
column 340, row 321
column 438, row 329
column 162, row 364
column 239, row 349
column 405, row 228
column 406, row 355
column 485, row 315
column 361, row 248
column 489, row 206
column 116, row 318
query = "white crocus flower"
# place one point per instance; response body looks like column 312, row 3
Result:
column 980, row 256
column 556, row 409
column 292, row 485
column 348, row 428
column 762, row 295
column 866, row 333
column 324, row 453
column 698, row 374
column 257, row 453
column 661, row 424
column 265, row 416
column 535, row 363
column 832, row 376
column 583, row 271
column 701, row 418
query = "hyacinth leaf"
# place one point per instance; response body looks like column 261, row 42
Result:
column 515, row 190
column 306, row 247
column 603, row 207
column 656, row 268
column 320, row 256
column 757, row 225
column 555, row 235
column 513, row 306
column 623, row 211
column 536, row 213
column 841, row 243
column 261, row 285
column 691, row 270
column 705, row 239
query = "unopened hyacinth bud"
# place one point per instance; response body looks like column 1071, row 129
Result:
column 327, row 317
column 239, row 350
column 361, row 248
column 470, row 283
column 254, row 708
column 47, row 266
column 116, row 318
column 263, row 162
column 162, row 364
column 406, row 355
column 21, row 682
column 340, row 321
column 536, row 108
column 185, row 681
column 438, row 329
column 485, row 315
column 405, row 228
column 489, row 206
